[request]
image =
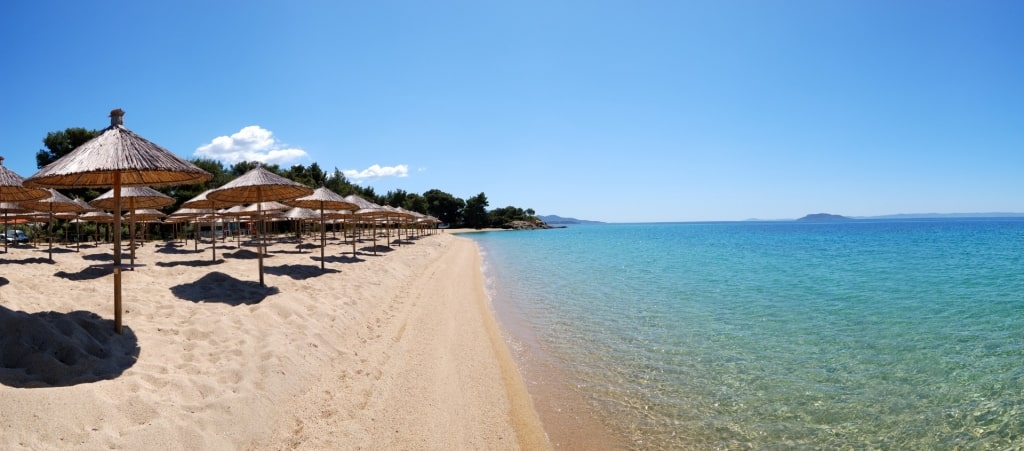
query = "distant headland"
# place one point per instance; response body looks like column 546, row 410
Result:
column 823, row 217
column 558, row 220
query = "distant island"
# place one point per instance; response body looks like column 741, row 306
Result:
column 558, row 220
column 823, row 217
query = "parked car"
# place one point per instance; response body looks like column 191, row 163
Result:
column 16, row 236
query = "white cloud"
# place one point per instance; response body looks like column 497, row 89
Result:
column 251, row 143
column 377, row 171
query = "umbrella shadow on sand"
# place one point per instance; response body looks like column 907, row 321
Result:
column 192, row 263
column 376, row 249
column 298, row 272
column 339, row 259
column 27, row 260
column 52, row 349
column 245, row 254
column 99, row 257
column 220, row 287
column 176, row 250
column 57, row 250
column 88, row 273
column 303, row 248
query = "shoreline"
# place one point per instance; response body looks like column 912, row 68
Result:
column 388, row 351
column 569, row 418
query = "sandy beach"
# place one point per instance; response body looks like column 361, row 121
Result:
column 398, row 350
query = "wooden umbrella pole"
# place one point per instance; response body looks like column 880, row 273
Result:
column 259, row 233
column 50, row 228
column 215, row 236
column 131, row 230
column 323, row 235
column 117, row 252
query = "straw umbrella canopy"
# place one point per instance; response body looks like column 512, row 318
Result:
column 266, row 211
column 202, row 202
column 300, row 214
column 132, row 198
column 98, row 217
column 146, row 214
column 265, row 207
column 7, row 208
column 118, row 157
column 324, row 199
column 259, row 185
column 137, row 197
column 56, row 203
column 369, row 212
column 78, row 221
column 185, row 215
column 13, row 189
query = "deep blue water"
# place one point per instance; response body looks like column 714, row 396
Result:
column 890, row 334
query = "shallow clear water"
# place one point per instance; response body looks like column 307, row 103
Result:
column 890, row 334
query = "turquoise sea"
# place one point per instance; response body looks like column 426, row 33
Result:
column 902, row 334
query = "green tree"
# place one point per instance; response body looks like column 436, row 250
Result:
column 415, row 202
column 61, row 143
column 396, row 198
column 182, row 193
column 475, row 213
column 444, row 206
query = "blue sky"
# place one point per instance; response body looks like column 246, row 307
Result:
column 618, row 111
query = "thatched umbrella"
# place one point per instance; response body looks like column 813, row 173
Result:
column 259, row 185
column 8, row 208
column 78, row 221
column 13, row 189
column 98, row 217
column 191, row 214
column 323, row 198
column 137, row 197
column 118, row 157
column 300, row 214
column 237, row 212
column 201, row 202
column 343, row 217
column 369, row 212
column 144, row 215
column 57, row 202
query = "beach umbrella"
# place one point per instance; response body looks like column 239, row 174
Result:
column 369, row 212
column 259, row 185
column 144, row 215
column 57, row 202
column 343, row 217
column 237, row 212
column 266, row 211
column 201, row 202
column 132, row 198
column 78, row 222
column 300, row 214
column 191, row 214
column 323, row 198
column 8, row 208
column 13, row 189
column 117, row 157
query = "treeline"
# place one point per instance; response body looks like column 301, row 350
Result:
column 457, row 212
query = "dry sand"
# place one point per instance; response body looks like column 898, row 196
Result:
column 394, row 351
